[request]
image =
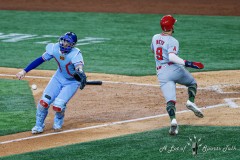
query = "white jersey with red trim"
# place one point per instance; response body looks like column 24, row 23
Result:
column 169, row 73
column 66, row 62
column 162, row 45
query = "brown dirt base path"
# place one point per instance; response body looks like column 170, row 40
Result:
column 93, row 112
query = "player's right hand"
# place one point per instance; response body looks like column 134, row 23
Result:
column 196, row 65
column 20, row 75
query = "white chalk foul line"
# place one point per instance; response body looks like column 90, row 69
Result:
column 216, row 88
column 104, row 125
column 37, row 77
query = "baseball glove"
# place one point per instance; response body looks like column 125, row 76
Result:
column 81, row 77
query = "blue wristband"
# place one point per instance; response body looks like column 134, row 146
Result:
column 34, row 64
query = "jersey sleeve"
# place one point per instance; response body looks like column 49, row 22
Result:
column 152, row 48
column 49, row 52
column 78, row 59
column 152, row 43
column 173, row 46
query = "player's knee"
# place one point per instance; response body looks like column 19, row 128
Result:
column 59, row 105
column 45, row 101
column 57, row 109
column 194, row 85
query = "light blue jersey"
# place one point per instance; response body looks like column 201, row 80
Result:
column 66, row 62
column 62, row 86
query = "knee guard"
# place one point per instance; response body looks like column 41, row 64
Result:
column 58, row 120
column 42, row 111
column 171, row 108
column 45, row 102
column 59, row 105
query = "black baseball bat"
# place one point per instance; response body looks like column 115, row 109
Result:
column 94, row 83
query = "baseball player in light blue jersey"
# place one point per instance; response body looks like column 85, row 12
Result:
column 63, row 84
column 170, row 70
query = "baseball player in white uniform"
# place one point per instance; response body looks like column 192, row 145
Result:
column 170, row 70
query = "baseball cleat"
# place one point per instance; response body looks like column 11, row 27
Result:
column 37, row 129
column 173, row 128
column 192, row 106
column 57, row 128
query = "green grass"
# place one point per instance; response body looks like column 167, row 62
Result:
column 17, row 107
column 213, row 40
column 152, row 145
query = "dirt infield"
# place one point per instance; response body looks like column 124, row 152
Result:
column 92, row 113
column 100, row 112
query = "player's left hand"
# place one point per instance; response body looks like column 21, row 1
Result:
column 196, row 65
column 81, row 77
column 20, row 75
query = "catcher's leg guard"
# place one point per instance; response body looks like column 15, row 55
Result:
column 41, row 114
column 192, row 91
column 59, row 106
column 58, row 120
column 171, row 109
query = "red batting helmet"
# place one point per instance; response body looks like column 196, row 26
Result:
column 167, row 22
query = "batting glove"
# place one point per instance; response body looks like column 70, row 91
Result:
column 196, row 65
column 20, row 75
